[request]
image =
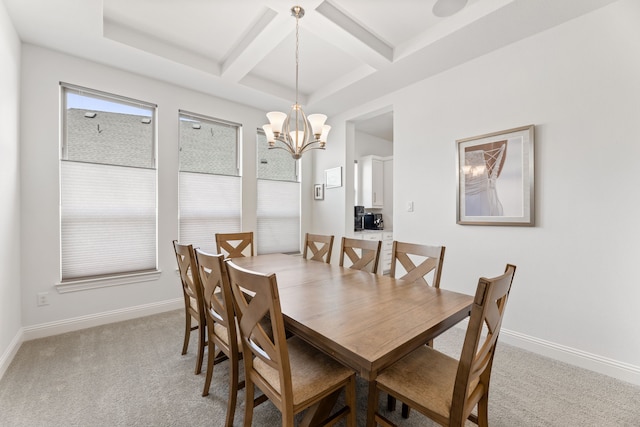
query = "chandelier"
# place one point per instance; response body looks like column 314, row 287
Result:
column 296, row 132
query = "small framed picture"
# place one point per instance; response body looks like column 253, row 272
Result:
column 318, row 192
column 495, row 178
column 333, row 177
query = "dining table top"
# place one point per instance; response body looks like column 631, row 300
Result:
column 366, row 321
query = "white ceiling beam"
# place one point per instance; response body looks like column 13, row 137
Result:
column 267, row 86
column 267, row 32
column 134, row 38
column 344, row 32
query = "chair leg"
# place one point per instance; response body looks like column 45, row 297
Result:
column 405, row 410
column 483, row 411
column 248, row 403
column 287, row 416
column 187, row 333
column 372, row 404
column 391, row 403
column 350, row 397
column 210, row 364
column 202, row 331
column 233, row 391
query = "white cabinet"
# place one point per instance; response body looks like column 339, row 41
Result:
column 384, row 264
column 386, row 251
column 372, row 181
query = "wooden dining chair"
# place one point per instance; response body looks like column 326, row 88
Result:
column 292, row 374
column 363, row 254
column 221, row 325
column 441, row 387
column 320, row 247
column 193, row 299
column 234, row 245
column 417, row 262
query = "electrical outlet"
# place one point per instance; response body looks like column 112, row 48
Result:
column 43, row 298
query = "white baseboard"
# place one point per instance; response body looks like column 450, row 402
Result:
column 602, row 365
column 91, row 320
column 593, row 362
column 10, row 352
column 613, row 368
column 82, row 322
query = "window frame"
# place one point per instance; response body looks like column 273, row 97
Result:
column 238, row 166
column 298, row 181
column 116, row 278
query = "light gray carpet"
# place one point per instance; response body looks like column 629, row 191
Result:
column 132, row 374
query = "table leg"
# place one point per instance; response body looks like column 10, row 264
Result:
column 372, row 404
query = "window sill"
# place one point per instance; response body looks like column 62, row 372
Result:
column 104, row 282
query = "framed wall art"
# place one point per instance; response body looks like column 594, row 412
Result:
column 496, row 178
column 318, row 192
column 333, row 177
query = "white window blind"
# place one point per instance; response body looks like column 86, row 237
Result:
column 278, row 216
column 278, row 200
column 209, row 204
column 210, row 188
column 108, row 223
column 107, row 186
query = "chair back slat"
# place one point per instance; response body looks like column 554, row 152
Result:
column 235, row 245
column 418, row 261
column 320, row 247
column 363, row 254
column 218, row 303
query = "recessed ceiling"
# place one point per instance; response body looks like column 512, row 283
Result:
column 351, row 51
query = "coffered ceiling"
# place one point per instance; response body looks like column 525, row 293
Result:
column 351, row 51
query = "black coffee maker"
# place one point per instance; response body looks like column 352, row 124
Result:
column 358, row 218
column 373, row 221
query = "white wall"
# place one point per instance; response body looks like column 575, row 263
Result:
column 43, row 69
column 368, row 144
column 10, row 322
column 576, row 290
column 328, row 216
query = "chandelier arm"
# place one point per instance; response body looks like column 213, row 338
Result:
column 286, row 143
column 308, row 148
column 304, row 147
column 276, row 147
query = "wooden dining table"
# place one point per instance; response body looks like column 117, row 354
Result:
column 366, row 321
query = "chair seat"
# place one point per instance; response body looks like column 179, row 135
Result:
column 221, row 332
column 425, row 377
column 311, row 371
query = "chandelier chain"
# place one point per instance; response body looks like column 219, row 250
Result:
column 297, row 52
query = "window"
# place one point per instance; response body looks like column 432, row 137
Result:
column 278, row 200
column 107, row 186
column 209, row 183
